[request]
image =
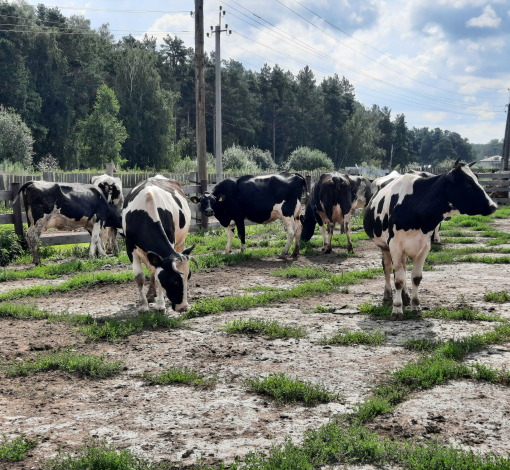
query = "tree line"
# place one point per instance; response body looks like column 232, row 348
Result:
column 75, row 87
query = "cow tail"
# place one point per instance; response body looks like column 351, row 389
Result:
column 303, row 181
column 309, row 223
column 22, row 189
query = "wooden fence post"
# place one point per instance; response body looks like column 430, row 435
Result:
column 203, row 217
column 48, row 176
column 16, row 209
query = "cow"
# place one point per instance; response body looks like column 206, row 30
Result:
column 380, row 183
column 66, row 206
column 112, row 190
column 261, row 199
column 401, row 218
column 155, row 220
column 332, row 200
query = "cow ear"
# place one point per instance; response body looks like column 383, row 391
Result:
column 154, row 259
column 194, row 200
column 188, row 251
column 221, row 198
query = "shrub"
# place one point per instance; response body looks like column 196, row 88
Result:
column 16, row 142
column 304, row 158
column 10, row 248
column 236, row 159
column 261, row 158
column 47, row 163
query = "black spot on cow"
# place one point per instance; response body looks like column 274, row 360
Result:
column 393, row 202
column 182, row 220
column 177, row 201
column 380, row 205
column 378, row 227
column 368, row 222
column 385, row 222
column 167, row 221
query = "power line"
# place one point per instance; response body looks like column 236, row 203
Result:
column 370, row 58
column 92, row 32
column 388, row 55
column 114, row 10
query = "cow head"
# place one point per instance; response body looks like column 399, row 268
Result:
column 465, row 193
column 208, row 202
column 173, row 273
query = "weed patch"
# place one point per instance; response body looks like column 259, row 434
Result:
column 16, row 449
column 290, row 390
column 503, row 296
column 179, row 375
column 271, row 328
column 351, row 338
column 68, row 361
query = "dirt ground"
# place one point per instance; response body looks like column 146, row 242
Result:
column 181, row 423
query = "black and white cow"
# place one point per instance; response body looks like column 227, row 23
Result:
column 156, row 219
column 112, row 190
column 401, row 218
column 261, row 199
column 332, row 200
column 380, row 183
column 66, row 206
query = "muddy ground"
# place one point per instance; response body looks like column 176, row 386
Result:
column 182, row 423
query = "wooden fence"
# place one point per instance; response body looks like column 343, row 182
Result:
column 492, row 182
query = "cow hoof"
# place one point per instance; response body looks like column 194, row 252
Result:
column 406, row 299
column 328, row 250
column 295, row 254
column 150, row 299
column 388, row 297
column 416, row 312
column 435, row 242
column 143, row 308
column 161, row 307
column 397, row 316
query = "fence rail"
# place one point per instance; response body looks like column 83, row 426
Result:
column 492, row 183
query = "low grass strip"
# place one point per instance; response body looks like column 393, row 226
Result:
column 16, row 449
column 502, row 296
column 243, row 302
column 179, row 375
column 31, row 312
column 351, row 338
column 270, row 328
column 68, row 361
column 115, row 330
column 464, row 313
column 302, row 272
column 290, row 390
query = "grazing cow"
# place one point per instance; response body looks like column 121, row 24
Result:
column 380, row 183
column 332, row 200
column 261, row 199
column 401, row 218
column 112, row 190
column 155, row 220
column 66, row 206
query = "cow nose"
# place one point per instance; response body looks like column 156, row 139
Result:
column 209, row 212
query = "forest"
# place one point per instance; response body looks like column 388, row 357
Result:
column 73, row 88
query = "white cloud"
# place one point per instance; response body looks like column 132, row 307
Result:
column 436, row 116
column 488, row 19
column 469, row 69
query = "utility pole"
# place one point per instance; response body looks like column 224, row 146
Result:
column 218, row 150
column 200, row 91
column 506, row 142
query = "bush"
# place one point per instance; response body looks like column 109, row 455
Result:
column 307, row 159
column 236, row 159
column 16, row 142
column 10, row 248
column 261, row 158
column 187, row 165
column 47, row 163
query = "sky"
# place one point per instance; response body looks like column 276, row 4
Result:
column 443, row 63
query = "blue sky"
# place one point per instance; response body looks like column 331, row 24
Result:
column 443, row 63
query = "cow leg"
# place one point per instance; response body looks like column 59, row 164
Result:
column 143, row 305
column 95, row 242
column 113, row 241
column 347, row 228
column 230, row 236
column 331, row 229
column 436, row 238
column 386, row 263
column 241, row 232
column 152, row 292
column 400, row 277
column 299, row 228
column 290, row 227
column 324, row 240
column 416, row 276
column 104, row 235
column 33, row 235
column 405, row 293
column 160, row 300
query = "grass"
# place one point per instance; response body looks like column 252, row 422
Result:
column 179, row 375
column 16, row 449
column 26, row 312
column 502, row 296
column 68, row 361
column 244, row 302
column 302, row 272
column 94, row 455
column 463, row 313
column 351, row 338
column 115, row 330
column 290, row 390
column 270, row 328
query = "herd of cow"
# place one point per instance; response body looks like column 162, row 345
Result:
column 402, row 216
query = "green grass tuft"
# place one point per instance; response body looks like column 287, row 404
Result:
column 502, row 296
column 271, row 328
column 16, row 449
column 290, row 390
column 68, row 361
column 303, row 272
column 179, row 375
column 350, row 338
